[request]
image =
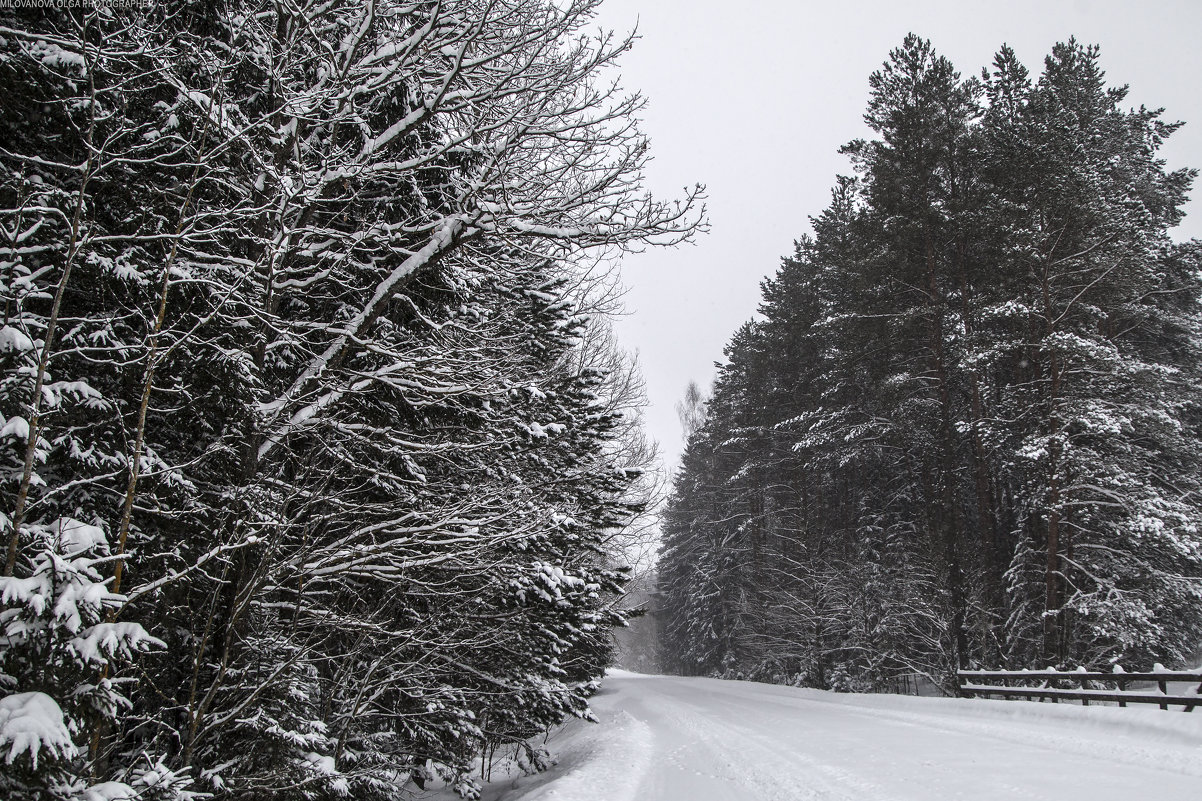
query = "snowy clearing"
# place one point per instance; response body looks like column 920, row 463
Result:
column 665, row 738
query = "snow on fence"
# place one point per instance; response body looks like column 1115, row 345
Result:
column 1090, row 686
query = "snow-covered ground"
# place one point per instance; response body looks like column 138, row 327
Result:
column 665, row 738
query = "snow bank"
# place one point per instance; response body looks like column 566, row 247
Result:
column 591, row 761
column 607, row 760
column 1146, row 724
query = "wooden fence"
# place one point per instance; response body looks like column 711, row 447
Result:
column 1056, row 685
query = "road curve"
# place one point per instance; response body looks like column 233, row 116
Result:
column 666, row 738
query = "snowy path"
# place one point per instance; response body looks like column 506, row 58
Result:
column 674, row 739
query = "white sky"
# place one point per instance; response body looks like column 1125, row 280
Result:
column 755, row 98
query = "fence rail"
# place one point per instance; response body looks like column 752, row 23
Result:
column 1091, row 686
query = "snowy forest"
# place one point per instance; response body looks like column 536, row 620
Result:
column 323, row 471
column 318, row 452
column 964, row 429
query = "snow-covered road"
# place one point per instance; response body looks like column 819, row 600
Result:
column 674, row 739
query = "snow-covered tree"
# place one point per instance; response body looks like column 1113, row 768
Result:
column 292, row 322
column 976, row 438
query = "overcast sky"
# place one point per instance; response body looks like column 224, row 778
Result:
column 754, row 99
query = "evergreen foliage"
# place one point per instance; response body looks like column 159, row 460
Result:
column 313, row 461
column 964, row 430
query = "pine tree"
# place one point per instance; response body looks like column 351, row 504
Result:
column 974, row 440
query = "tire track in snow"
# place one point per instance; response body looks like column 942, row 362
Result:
column 764, row 766
column 927, row 756
column 1003, row 722
column 677, row 739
